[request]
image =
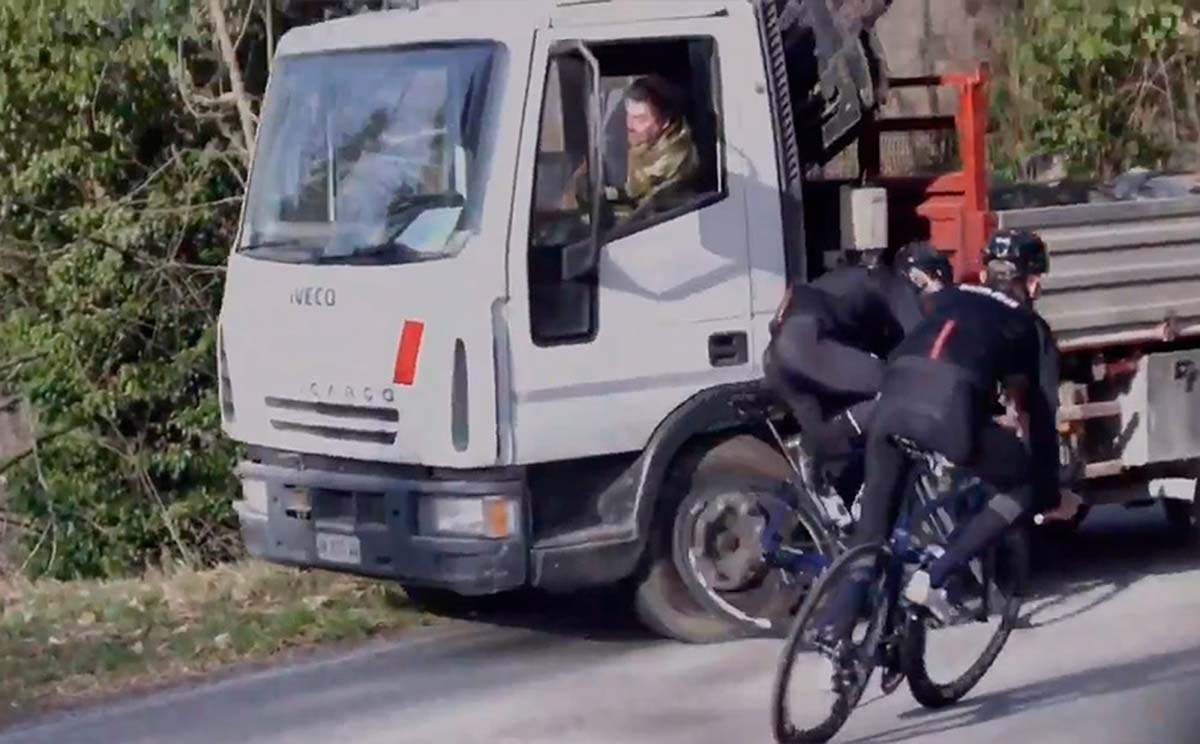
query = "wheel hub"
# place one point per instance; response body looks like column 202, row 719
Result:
column 727, row 542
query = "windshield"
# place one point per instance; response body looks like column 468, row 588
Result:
column 370, row 157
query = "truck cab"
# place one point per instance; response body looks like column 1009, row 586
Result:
column 456, row 363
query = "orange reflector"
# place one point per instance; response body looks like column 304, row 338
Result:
column 408, row 352
column 496, row 521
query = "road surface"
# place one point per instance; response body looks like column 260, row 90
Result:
column 1112, row 656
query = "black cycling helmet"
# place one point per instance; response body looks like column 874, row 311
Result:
column 1023, row 249
column 923, row 256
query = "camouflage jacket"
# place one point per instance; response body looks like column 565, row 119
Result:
column 665, row 171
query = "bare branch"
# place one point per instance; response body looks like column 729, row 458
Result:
column 36, row 548
column 96, row 93
column 131, row 452
column 150, row 179
column 269, row 15
column 52, row 525
column 245, row 26
column 183, row 208
column 18, row 362
column 10, row 520
column 229, row 54
column 223, row 100
column 235, row 141
column 237, row 169
column 183, row 81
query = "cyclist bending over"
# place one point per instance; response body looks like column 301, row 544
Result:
column 830, row 336
column 939, row 391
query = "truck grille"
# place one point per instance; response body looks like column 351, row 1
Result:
column 341, row 420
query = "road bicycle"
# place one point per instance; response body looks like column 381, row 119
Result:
column 892, row 633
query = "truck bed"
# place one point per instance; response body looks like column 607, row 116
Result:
column 1121, row 272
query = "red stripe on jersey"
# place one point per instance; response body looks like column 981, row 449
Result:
column 943, row 336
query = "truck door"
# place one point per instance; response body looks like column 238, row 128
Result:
column 598, row 361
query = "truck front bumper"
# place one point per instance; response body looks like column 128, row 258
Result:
column 417, row 530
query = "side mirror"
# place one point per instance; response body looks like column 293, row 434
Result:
column 581, row 259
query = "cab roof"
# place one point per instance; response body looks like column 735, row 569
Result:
column 446, row 20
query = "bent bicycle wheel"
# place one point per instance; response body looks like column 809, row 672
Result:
column 802, row 712
column 933, row 658
column 717, row 547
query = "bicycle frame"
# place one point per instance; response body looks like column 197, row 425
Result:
column 827, row 500
column 925, row 499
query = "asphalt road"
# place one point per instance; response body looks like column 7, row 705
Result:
column 1111, row 655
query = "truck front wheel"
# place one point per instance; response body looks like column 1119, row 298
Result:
column 662, row 599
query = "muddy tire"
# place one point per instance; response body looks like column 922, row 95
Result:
column 661, row 599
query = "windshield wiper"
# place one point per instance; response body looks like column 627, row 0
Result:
column 388, row 252
column 292, row 246
column 439, row 200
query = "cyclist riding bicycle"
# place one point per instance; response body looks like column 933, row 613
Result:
column 940, row 392
column 830, row 337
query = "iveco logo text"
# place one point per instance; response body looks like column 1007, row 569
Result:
column 350, row 394
column 317, row 296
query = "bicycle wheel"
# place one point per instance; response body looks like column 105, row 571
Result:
column 824, row 714
column 1005, row 570
column 717, row 545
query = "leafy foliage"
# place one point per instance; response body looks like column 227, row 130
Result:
column 119, row 196
column 1108, row 84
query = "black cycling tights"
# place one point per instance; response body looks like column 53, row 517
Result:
column 1000, row 460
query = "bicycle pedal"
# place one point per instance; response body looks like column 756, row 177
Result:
column 890, row 681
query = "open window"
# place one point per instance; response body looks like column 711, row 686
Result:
column 630, row 137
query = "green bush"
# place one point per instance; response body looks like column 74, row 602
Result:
column 1108, row 84
column 118, row 201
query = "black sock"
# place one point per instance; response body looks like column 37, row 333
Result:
column 976, row 535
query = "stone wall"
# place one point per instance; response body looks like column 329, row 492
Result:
column 928, row 36
column 922, row 37
column 925, row 37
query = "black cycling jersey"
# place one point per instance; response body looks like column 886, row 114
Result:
column 993, row 340
column 828, row 346
column 868, row 309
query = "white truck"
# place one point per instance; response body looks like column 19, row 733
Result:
column 447, row 374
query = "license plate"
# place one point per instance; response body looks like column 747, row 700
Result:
column 339, row 549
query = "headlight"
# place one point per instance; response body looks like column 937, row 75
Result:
column 493, row 517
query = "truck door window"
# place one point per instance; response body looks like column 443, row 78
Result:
column 663, row 145
column 663, row 158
